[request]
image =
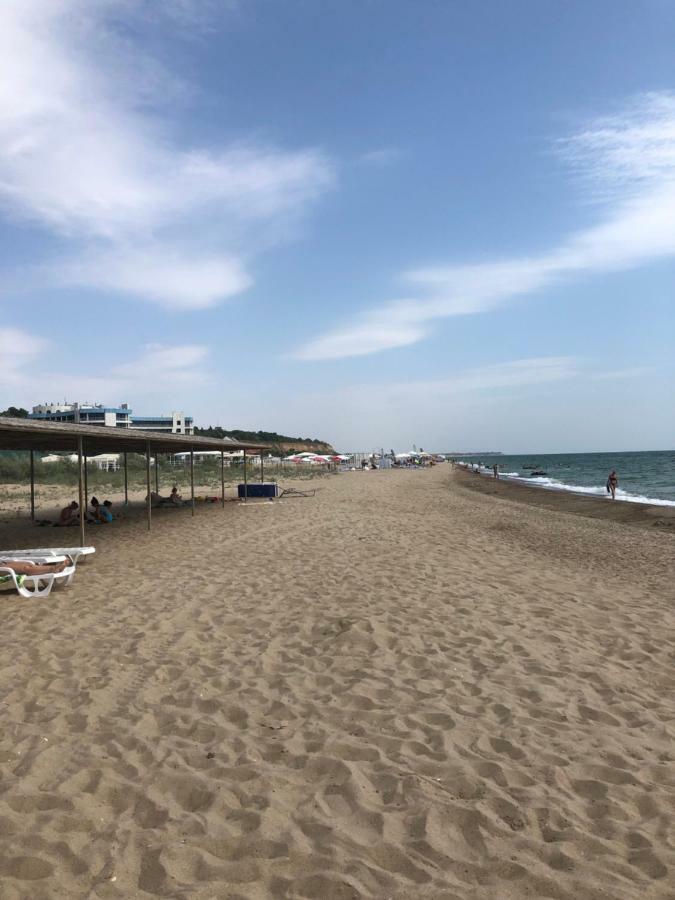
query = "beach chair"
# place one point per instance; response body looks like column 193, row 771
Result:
column 75, row 553
column 294, row 492
column 34, row 585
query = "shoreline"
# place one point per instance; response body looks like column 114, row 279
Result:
column 644, row 515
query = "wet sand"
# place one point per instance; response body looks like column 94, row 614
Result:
column 400, row 688
column 628, row 513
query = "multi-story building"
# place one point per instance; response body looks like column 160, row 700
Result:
column 84, row 414
column 112, row 417
column 176, row 423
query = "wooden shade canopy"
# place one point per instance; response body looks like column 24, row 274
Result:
column 90, row 440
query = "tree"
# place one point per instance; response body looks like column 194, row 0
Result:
column 14, row 412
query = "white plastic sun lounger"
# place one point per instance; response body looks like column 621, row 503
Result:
column 62, row 578
column 34, row 585
column 75, row 553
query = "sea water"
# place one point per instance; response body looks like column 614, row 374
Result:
column 644, row 477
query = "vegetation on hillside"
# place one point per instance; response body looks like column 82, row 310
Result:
column 261, row 437
column 14, row 412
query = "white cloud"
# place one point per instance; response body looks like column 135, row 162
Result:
column 17, row 350
column 498, row 376
column 625, row 151
column 440, row 411
column 630, row 372
column 633, row 152
column 169, row 277
column 553, row 404
column 181, row 363
column 384, row 156
column 85, row 154
column 393, row 326
column 35, row 370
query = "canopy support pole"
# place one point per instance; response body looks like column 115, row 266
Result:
column 147, row 478
column 32, row 485
column 222, row 478
column 245, row 479
column 80, row 488
column 86, row 483
column 126, row 481
column 157, row 473
column 262, row 468
column 192, row 479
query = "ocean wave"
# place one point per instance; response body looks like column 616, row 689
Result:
column 553, row 484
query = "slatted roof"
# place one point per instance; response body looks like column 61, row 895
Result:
column 31, row 434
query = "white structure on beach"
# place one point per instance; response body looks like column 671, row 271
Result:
column 108, row 461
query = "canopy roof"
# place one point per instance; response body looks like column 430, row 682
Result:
column 31, row 434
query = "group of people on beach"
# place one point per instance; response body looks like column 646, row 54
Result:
column 96, row 514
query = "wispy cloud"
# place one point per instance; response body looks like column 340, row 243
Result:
column 36, row 370
column 86, row 153
column 18, row 349
column 166, row 274
column 383, row 156
column 624, row 152
column 630, row 372
column 498, row 376
column 179, row 364
column 629, row 158
column 438, row 410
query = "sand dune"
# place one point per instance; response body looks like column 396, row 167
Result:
column 397, row 689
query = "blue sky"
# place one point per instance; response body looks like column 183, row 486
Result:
column 380, row 223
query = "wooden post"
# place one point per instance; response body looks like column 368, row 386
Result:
column 192, row 479
column 222, row 478
column 32, row 485
column 245, row 479
column 262, row 468
column 126, row 481
column 157, row 473
column 86, row 484
column 147, row 479
column 80, row 488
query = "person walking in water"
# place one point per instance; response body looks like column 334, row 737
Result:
column 612, row 483
column 495, row 471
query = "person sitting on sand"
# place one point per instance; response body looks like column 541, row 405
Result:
column 69, row 515
column 175, row 497
column 104, row 514
column 612, row 483
column 26, row 567
column 95, row 506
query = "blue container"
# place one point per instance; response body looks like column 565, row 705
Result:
column 258, row 489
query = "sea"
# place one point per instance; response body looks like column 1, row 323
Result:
column 644, row 477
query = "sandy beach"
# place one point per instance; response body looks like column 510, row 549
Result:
column 402, row 687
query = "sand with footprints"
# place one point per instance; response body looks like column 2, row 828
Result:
column 400, row 688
